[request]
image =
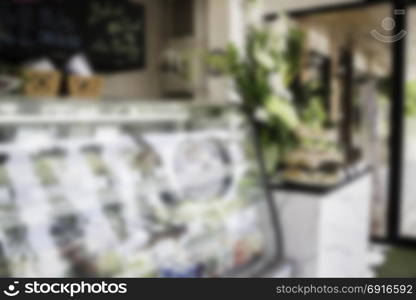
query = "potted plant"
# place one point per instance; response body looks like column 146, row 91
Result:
column 262, row 72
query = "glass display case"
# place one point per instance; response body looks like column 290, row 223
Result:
column 130, row 190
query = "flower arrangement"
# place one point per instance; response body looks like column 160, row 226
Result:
column 262, row 72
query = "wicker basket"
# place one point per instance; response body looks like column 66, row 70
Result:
column 85, row 87
column 42, row 83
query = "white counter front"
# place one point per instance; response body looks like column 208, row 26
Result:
column 327, row 234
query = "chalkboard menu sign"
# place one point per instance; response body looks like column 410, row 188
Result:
column 115, row 34
column 110, row 32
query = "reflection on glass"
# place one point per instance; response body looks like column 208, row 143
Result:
column 343, row 96
column 408, row 204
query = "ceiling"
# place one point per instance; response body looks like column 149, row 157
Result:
column 353, row 27
column 285, row 5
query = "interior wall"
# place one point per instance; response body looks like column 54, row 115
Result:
column 410, row 44
column 225, row 25
column 146, row 83
column 143, row 83
column 282, row 5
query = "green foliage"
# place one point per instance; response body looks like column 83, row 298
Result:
column 410, row 101
column 282, row 110
column 265, row 55
column 292, row 56
column 314, row 114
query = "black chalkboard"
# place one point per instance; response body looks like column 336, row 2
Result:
column 110, row 32
column 115, row 34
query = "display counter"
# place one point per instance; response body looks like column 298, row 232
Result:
column 129, row 189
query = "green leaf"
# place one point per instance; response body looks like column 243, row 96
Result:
column 293, row 54
column 283, row 110
column 410, row 106
column 314, row 115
